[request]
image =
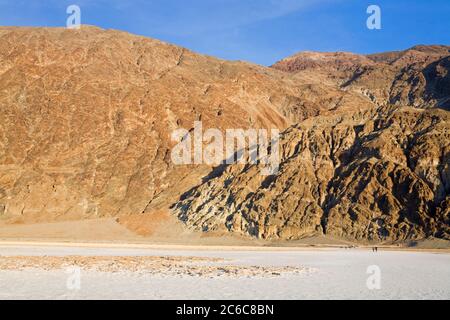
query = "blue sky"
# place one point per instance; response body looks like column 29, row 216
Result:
column 260, row 31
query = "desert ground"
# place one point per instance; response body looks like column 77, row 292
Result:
column 143, row 271
column 118, row 259
column 167, row 230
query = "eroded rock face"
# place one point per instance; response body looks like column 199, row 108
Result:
column 380, row 176
column 87, row 115
column 380, row 172
column 415, row 77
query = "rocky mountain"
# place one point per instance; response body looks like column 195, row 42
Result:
column 381, row 173
column 415, row 77
column 87, row 115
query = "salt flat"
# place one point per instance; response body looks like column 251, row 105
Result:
column 322, row 274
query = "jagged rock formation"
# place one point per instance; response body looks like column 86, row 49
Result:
column 415, row 77
column 377, row 174
column 87, row 115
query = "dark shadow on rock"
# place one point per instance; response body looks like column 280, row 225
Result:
column 437, row 76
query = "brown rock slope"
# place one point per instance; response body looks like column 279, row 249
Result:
column 415, row 77
column 86, row 118
column 378, row 174
column 366, row 177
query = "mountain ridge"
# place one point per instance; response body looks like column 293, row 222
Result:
column 87, row 116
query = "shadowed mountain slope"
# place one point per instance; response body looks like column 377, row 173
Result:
column 87, row 116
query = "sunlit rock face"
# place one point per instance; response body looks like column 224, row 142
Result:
column 87, row 116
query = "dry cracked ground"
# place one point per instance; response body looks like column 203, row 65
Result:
column 153, row 265
column 87, row 115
